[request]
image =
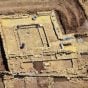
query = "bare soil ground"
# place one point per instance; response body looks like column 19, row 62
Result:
column 70, row 13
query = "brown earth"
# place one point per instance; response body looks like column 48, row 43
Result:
column 71, row 15
column 70, row 12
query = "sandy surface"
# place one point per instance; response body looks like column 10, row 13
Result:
column 70, row 14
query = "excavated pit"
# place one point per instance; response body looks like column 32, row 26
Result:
column 70, row 13
column 73, row 20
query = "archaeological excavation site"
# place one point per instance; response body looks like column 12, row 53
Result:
column 43, row 43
